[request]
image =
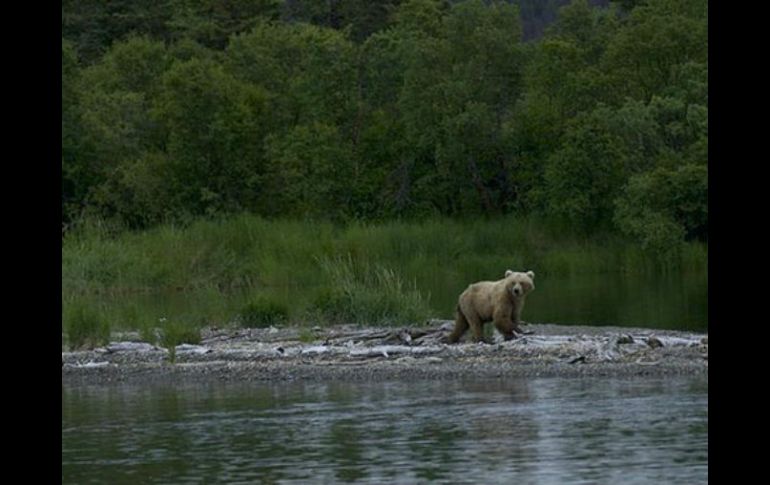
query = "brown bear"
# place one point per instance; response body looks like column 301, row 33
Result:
column 498, row 301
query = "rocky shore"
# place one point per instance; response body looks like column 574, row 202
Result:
column 352, row 352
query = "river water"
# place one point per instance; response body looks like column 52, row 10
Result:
column 523, row 431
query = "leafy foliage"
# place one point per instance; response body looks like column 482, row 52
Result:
column 665, row 206
column 407, row 109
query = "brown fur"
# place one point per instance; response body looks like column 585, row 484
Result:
column 500, row 302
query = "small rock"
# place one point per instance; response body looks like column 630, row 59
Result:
column 704, row 340
column 654, row 342
column 625, row 339
column 578, row 359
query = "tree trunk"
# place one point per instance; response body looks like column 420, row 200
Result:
column 486, row 199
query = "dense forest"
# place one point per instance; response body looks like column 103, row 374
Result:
column 590, row 114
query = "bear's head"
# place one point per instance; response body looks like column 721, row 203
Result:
column 520, row 283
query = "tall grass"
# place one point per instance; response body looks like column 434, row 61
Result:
column 367, row 273
column 85, row 326
column 368, row 292
column 176, row 333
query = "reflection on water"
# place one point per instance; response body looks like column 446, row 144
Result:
column 674, row 301
column 677, row 301
column 490, row 431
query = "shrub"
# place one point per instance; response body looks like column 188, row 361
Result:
column 176, row 333
column 306, row 335
column 368, row 293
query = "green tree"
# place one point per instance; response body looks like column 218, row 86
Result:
column 116, row 95
column 216, row 126
column 645, row 56
column 360, row 17
column 663, row 207
column 423, row 18
column 93, row 26
column 602, row 150
column 212, row 22
column 565, row 71
column 76, row 175
column 413, row 107
column 310, row 170
column 310, row 72
column 382, row 144
column 562, row 80
column 582, row 177
column 458, row 92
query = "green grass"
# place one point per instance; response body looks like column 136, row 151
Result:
column 361, row 291
column 175, row 333
column 85, row 326
column 263, row 312
column 306, row 335
column 249, row 271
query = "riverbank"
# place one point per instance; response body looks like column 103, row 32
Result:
column 350, row 352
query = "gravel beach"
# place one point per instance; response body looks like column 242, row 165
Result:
column 353, row 352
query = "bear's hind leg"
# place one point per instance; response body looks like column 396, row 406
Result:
column 461, row 325
column 477, row 327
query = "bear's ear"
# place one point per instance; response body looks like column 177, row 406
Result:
column 531, row 275
column 508, row 273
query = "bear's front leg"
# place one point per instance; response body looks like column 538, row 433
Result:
column 505, row 325
column 516, row 320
